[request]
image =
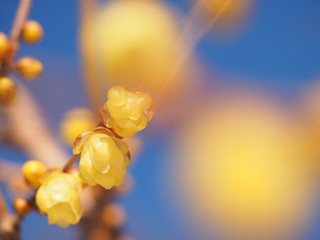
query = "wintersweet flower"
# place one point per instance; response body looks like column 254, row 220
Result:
column 103, row 160
column 59, row 198
column 127, row 111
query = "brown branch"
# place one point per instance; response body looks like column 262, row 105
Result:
column 4, row 212
column 9, row 224
column 10, row 175
column 29, row 130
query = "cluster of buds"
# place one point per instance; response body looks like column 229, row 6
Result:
column 27, row 67
column 104, row 157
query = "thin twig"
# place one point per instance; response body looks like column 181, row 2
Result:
column 189, row 32
column 70, row 163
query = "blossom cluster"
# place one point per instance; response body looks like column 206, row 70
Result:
column 104, row 157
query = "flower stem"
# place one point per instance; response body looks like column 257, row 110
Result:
column 70, row 163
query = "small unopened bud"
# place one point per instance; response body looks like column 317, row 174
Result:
column 33, row 172
column 29, row 67
column 32, row 32
column 7, row 90
column 21, row 206
column 113, row 215
column 4, row 46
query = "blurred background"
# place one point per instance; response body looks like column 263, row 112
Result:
column 233, row 151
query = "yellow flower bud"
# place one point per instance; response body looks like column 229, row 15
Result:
column 59, row 198
column 127, row 111
column 76, row 121
column 7, row 90
column 4, row 45
column 29, row 67
column 103, row 160
column 32, row 32
column 33, row 172
column 21, row 206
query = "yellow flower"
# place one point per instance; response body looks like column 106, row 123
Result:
column 59, row 198
column 135, row 43
column 127, row 111
column 76, row 121
column 103, row 160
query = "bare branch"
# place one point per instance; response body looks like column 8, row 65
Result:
column 9, row 224
column 10, row 174
column 29, row 129
column 194, row 34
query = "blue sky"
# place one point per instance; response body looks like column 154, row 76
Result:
column 279, row 47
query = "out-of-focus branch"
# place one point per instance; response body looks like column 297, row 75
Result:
column 87, row 11
column 70, row 163
column 193, row 33
column 4, row 211
column 9, row 225
column 29, row 130
column 10, row 174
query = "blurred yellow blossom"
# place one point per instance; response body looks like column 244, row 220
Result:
column 127, row 111
column 103, row 160
column 59, row 198
column 76, row 121
column 251, row 162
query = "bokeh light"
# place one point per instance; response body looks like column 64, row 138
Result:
column 245, row 168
